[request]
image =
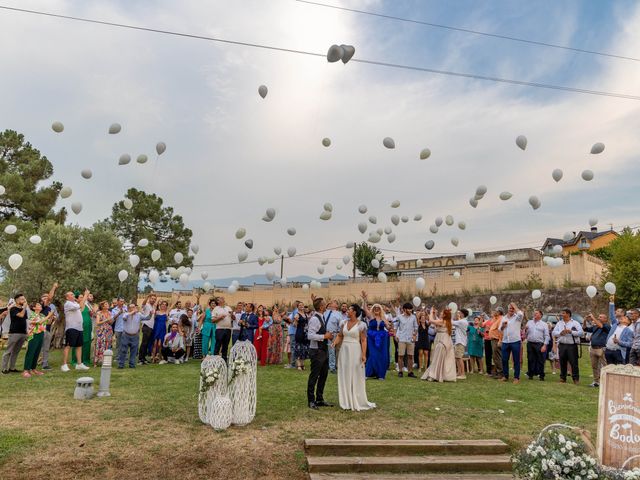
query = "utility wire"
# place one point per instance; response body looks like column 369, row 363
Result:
column 314, row 54
column 467, row 30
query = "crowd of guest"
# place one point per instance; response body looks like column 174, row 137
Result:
column 441, row 344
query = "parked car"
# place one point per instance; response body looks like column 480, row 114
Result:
column 553, row 318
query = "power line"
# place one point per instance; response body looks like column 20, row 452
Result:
column 256, row 261
column 467, row 30
column 314, row 54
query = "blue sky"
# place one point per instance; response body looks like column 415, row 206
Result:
column 230, row 154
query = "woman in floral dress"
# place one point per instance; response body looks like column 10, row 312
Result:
column 274, row 354
column 104, row 332
column 37, row 326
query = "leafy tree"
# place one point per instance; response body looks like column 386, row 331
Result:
column 363, row 254
column 149, row 219
column 75, row 257
column 624, row 266
column 22, row 170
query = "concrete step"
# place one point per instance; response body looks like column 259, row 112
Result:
column 415, row 464
column 410, row 476
column 371, row 447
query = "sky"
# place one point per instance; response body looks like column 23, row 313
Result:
column 231, row 154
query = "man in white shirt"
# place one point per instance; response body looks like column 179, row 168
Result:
column 461, row 326
column 407, row 333
column 511, row 342
column 221, row 316
column 174, row 314
column 235, row 323
column 73, row 330
column 537, row 340
column 567, row 333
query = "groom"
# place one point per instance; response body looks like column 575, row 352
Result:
column 319, row 354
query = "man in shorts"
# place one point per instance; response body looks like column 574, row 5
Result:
column 407, row 333
column 461, row 325
column 73, row 329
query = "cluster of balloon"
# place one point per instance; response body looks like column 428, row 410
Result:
column 481, row 191
column 263, row 90
column 326, row 212
column 340, row 52
column 592, row 291
column 389, row 142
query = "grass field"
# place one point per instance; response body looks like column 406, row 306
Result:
column 149, row 427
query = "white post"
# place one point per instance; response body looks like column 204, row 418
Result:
column 105, row 374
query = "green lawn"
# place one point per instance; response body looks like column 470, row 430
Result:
column 149, row 427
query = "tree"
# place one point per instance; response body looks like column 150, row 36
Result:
column 22, row 170
column 624, row 265
column 363, row 254
column 149, row 219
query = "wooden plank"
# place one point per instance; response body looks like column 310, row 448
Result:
column 424, row 464
column 410, row 476
column 369, row 447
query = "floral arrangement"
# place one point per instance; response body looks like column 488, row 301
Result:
column 238, row 367
column 559, row 456
column 208, row 377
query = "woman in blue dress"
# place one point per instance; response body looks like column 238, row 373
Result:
column 159, row 331
column 377, row 341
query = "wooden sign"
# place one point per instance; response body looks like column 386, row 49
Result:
column 619, row 416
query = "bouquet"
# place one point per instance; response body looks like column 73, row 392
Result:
column 238, row 367
column 208, row 377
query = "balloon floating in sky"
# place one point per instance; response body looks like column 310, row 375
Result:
column 470, row 257
column 123, row 275
column 425, row 153
column 610, row 288
column 587, row 175
column 591, row 291
column 568, row 236
column 417, row 217
column 291, row 231
column 456, row 275
column 416, row 302
column 270, row 213
column 521, row 142
column 462, row 225
column 448, row 220
column 481, row 190
column 473, row 202
column 142, row 158
column 320, row 270
column 154, row 276
column 10, row 229
column 204, row 275
column 455, row 241
column 593, row 222
column 433, row 229
column 362, row 209
column 15, row 260
column 362, row 227
column 438, row 221
column 86, row 173
column 493, row 300
column 375, row 263
column 57, row 127
column 597, row 148
column 420, row 283
column 392, row 264
column 395, row 204
column 128, row 204
column 263, row 90
column 557, row 249
column 349, row 51
column 76, row 207
column 65, row 192
column 240, row 233
column 325, row 215
column 160, row 148
column 404, row 219
column 382, row 277
column 374, row 237
column 262, row 260
column 534, row 202
column 277, row 250
column 326, row 141
column 502, row 259
column 35, row 239
column 143, row 242
column 388, row 230
column 248, row 243
column 395, row 219
column 373, row 219
column 505, row 195
column 429, row 244
column 346, row 259
column 557, row 174
column 195, row 248
column 134, row 260
column 242, row 256
column 178, row 257
column 114, row 128
column 325, row 261
column 391, row 237
column 388, row 142
column 335, row 53
column 291, row 251
column 350, row 244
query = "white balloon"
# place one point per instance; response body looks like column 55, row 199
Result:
column 320, row 270
column 404, row 219
column 557, row 249
column 291, row 251
column 558, row 262
column 270, row 213
column 134, row 260
column 204, row 275
column 142, row 158
column 173, row 272
column 429, row 244
column 391, row 237
column 346, row 259
column 568, row 236
column 593, row 222
column 335, row 53
column 425, row 153
column 374, row 237
column 470, row 257
column 373, row 219
column 419, row 263
column 195, row 248
column 123, row 275
column 362, row 209
column 362, row 227
column 502, row 259
column 154, row 276
column 10, row 229
column 382, row 277
column 248, row 243
column 587, row 175
column 395, row 219
column 481, row 190
column 453, row 306
column 127, row 203
column 462, row 225
column 57, row 127
column 2, row 190
column 184, row 279
column 283, row 282
column 236, row 283
column 270, row 274
column 597, row 148
column 326, row 141
column 143, row 242
column 160, row 148
column 416, row 301
column 35, row 239
column 65, row 192
column 232, row 288
column 350, row 245
column 348, row 52
column 420, row 283
column 521, row 142
column 124, row 159
column 325, row 261
column 493, row 300
column 455, row 241
column 76, row 207
column 277, row 250
column 395, row 204
column 433, row 228
column 392, row 264
column 325, row 215
column 387, row 230
column 417, row 217
column 473, row 202
column 534, row 202
column 262, row 260
column 242, row 256
column 206, row 286
column 438, row 221
column 506, row 195
column 456, row 275
column 114, row 128
column 557, row 174
column 291, row 231
column 610, row 288
column 15, row 260
column 591, row 291
column 536, row 294
column 388, row 142
column 328, row 207
column 448, row 220
column 375, row 263
column 240, row 233
column 187, row 270
column 86, row 173
column 178, row 257
column 155, row 255
column 263, row 90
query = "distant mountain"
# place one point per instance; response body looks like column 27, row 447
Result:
column 170, row 284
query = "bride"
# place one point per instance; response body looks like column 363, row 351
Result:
column 351, row 362
column 443, row 361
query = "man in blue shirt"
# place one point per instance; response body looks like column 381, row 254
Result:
column 117, row 313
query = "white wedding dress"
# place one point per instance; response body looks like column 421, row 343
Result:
column 352, row 392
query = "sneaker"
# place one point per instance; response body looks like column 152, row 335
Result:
column 405, row 369
column 516, row 381
column 162, row 362
column 461, row 377
column 397, row 369
column 47, row 367
column 81, row 366
column 595, row 384
column 26, row 374
column 64, row 368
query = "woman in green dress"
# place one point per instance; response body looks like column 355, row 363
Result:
column 37, row 326
column 476, row 345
